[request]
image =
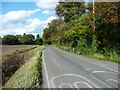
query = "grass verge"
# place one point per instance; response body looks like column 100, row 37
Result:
column 12, row 60
column 111, row 56
column 28, row 76
column 115, row 59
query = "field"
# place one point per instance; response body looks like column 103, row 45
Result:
column 8, row 48
column 29, row 75
column 13, row 57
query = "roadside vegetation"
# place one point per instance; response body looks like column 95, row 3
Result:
column 25, row 39
column 95, row 34
column 0, row 41
column 13, row 57
column 30, row 73
column 112, row 58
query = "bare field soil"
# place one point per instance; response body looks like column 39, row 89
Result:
column 13, row 57
column 7, row 48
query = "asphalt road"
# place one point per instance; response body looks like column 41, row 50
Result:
column 63, row 69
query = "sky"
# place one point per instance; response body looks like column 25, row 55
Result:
column 18, row 18
column 26, row 16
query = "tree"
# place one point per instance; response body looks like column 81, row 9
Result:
column 10, row 40
column 38, row 40
column 51, row 32
column 27, row 39
column 70, row 10
column 81, row 30
column 47, row 35
column 37, row 36
column 107, row 23
column 89, row 6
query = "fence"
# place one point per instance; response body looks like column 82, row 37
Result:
column 72, row 49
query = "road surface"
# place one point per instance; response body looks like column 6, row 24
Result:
column 63, row 69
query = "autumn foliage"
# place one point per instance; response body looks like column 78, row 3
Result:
column 93, row 31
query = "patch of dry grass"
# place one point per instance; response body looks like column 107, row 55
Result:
column 27, row 76
column 13, row 60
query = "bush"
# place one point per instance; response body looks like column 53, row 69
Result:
column 10, row 40
column 39, row 41
column 27, row 39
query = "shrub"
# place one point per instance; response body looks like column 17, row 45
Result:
column 10, row 40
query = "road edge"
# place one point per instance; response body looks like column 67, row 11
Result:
column 45, row 68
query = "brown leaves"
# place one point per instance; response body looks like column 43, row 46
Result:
column 109, row 11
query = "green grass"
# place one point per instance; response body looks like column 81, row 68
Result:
column 0, row 41
column 111, row 57
column 107, row 56
column 27, row 76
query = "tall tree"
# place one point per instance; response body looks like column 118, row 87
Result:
column 107, row 23
column 79, row 31
column 50, row 33
column 70, row 10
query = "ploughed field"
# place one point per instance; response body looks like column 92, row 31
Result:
column 8, row 48
column 13, row 57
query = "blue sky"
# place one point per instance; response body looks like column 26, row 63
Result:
column 26, row 17
column 15, row 6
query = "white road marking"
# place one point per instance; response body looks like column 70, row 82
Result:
column 76, row 86
column 95, row 63
column 101, row 65
column 102, row 71
column 108, row 80
column 48, row 82
column 65, row 84
column 101, row 81
column 53, row 84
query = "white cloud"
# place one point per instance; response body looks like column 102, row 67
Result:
column 51, row 18
column 14, row 16
column 19, row 24
column 48, row 12
column 49, row 5
column 46, row 4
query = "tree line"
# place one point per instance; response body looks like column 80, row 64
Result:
column 89, row 31
column 25, row 39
